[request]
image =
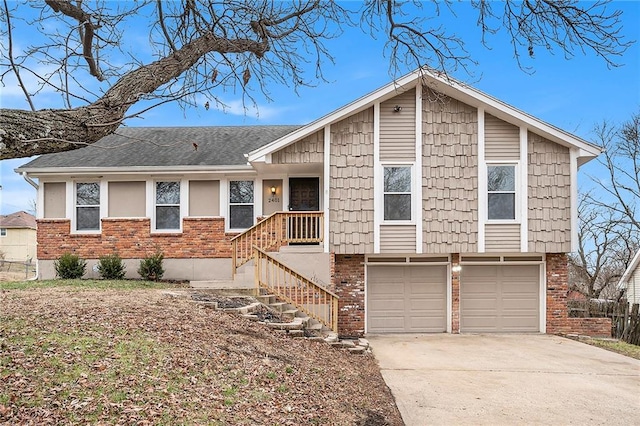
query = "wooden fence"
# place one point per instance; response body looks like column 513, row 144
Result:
column 625, row 318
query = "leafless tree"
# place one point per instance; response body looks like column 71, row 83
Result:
column 609, row 233
column 204, row 47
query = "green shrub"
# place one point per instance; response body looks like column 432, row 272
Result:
column 151, row 267
column 70, row 266
column 111, row 267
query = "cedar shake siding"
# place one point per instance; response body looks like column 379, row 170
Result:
column 351, row 184
column 398, row 129
column 307, row 150
column 449, row 175
column 397, row 238
column 549, row 192
column 501, row 139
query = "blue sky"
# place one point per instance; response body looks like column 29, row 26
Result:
column 572, row 94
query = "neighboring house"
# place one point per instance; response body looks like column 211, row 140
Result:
column 630, row 280
column 18, row 237
column 437, row 207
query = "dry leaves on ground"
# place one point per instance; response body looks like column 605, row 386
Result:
column 77, row 356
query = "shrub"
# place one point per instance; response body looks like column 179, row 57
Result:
column 70, row 266
column 151, row 267
column 111, row 267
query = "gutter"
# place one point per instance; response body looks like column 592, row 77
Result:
column 31, row 182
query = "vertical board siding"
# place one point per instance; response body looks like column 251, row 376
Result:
column 397, row 238
column 351, row 184
column 549, row 179
column 398, row 129
column 449, row 175
column 307, row 150
column 502, row 237
column 501, row 139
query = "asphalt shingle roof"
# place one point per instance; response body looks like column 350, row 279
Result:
column 168, row 146
column 18, row 220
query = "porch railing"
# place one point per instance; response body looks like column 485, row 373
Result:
column 274, row 231
column 294, row 288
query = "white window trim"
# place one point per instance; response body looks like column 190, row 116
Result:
column 412, row 221
column 229, row 204
column 102, row 207
column 517, row 189
column 181, row 206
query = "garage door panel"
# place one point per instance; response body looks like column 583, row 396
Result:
column 499, row 298
column 416, row 294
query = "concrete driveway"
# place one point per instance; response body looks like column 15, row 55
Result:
column 444, row 379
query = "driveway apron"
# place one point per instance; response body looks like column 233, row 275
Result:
column 445, row 379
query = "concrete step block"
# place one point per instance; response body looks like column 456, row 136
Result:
column 357, row 350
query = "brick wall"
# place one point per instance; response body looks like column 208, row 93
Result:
column 348, row 283
column 132, row 238
column 455, row 294
column 558, row 321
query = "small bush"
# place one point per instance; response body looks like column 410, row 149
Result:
column 111, row 267
column 70, row 266
column 151, row 267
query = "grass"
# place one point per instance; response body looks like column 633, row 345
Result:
column 87, row 284
column 618, row 346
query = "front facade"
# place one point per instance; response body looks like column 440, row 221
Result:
column 444, row 209
column 18, row 237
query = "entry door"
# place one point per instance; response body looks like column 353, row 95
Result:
column 304, row 194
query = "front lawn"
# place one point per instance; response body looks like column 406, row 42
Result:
column 127, row 352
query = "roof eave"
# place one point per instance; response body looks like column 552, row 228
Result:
column 37, row 171
column 449, row 87
column 627, row 273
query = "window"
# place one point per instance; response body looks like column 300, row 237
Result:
column 3, row 232
column 168, row 205
column 501, row 192
column 397, row 193
column 240, row 204
column 88, row 206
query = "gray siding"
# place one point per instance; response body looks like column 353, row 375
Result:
column 549, row 176
column 449, row 175
column 397, row 238
column 502, row 140
column 351, row 184
column 398, row 129
column 502, row 237
column 55, row 195
column 307, row 150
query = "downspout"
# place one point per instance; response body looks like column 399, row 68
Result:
column 31, row 182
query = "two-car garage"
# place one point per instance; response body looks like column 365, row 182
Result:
column 414, row 298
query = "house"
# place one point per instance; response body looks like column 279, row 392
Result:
column 424, row 206
column 630, row 281
column 18, row 237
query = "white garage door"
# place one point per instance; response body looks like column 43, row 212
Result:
column 499, row 298
column 404, row 299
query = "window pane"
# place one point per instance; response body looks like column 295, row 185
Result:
column 88, row 194
column 241, row 191
column 397, row 179
column 167, row 192
column 501, row 178
column 397, row 207
column 87, row 218
column 167, row 217
column 241, row 217
column 502, row 206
